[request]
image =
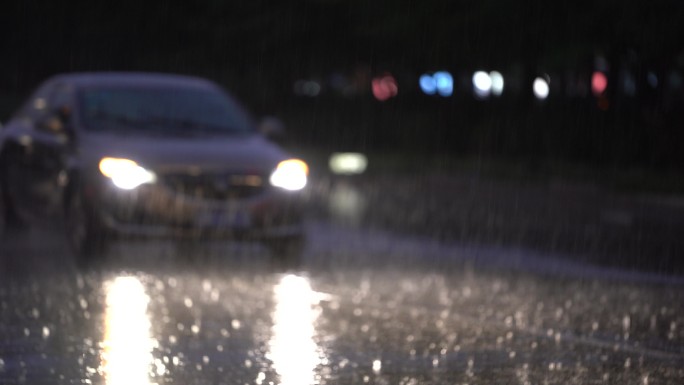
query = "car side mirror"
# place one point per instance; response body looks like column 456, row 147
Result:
column 272, row 129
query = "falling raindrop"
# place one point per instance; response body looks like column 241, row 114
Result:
column 159, row 367
column 206, row 285
column 215, row 295
column 377, row 366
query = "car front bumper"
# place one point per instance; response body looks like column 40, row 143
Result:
column 156, row 211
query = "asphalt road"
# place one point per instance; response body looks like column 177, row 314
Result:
column 582, row 221
column 368, row 305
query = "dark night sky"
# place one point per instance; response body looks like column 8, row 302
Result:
column 258, row 48
column 44, row 37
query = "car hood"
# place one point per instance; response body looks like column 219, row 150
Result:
column 250, row 153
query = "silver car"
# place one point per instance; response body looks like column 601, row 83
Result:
column 147, row 155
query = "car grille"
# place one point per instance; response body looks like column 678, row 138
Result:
column 216, row 186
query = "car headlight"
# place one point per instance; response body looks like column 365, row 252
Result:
column 290, row 175
column 125, row 173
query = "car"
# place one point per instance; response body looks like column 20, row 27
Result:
column 112, row 155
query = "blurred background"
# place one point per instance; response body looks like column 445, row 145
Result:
column 596, row 84
column 505, row 205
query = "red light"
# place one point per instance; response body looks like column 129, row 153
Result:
column 599, row 83
column 384, row 87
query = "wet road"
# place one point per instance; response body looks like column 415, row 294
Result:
column 366, row 306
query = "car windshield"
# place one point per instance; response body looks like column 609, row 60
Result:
column 165, row 111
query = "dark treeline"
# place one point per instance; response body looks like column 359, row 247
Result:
column 259, row 48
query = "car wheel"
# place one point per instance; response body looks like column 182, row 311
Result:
column 87, row 241
column 287, row 251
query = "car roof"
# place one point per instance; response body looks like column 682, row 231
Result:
column 142, row 79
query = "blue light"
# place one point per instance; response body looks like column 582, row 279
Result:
column 428, row 84
column 445, row 83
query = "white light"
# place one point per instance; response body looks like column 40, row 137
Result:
column 348, row 163
column 290, row 175
column 497, row 82
column 125, row 173
column 292, row 349
column 540, row 88
column 482, row 84
column 127, row 346
column 377, row 366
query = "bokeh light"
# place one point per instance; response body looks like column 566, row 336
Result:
column 441, row 82
column 444, row 82
column 384, row 87
column 428, row 84
column 629, row 85
column 652, row 79
column 599, row 83
column 540, row 87
column 482, row 84
column 497, row 83
column 348, row 163
column 307, row 88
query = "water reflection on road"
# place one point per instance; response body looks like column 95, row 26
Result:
column 292, row 348
column 367, row 306
column 127, row 346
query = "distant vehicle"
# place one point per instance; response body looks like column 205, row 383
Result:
column 151, row 155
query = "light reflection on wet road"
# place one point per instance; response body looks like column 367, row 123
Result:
column 365, row 307
column 154, row 317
